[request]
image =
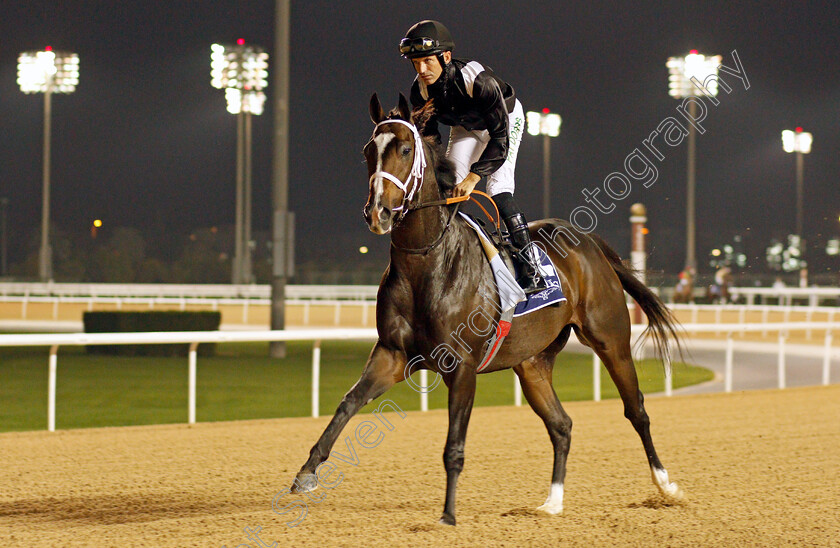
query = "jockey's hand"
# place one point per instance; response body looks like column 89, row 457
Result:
column 467, row 185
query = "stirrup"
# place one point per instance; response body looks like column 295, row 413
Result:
column 531, row 282
column 530, row 279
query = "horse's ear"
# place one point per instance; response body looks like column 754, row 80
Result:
column 376, row 112
column 404, row 109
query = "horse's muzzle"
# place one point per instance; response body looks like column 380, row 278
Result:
column 379, row 219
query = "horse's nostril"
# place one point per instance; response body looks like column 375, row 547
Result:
column 384, row 214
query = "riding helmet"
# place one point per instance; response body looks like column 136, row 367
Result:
column 426, row 38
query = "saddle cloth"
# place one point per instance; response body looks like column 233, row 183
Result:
column 512, row 298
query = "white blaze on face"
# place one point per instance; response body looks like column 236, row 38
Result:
column 381, row 141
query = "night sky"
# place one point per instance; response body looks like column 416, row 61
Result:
column 145, row 141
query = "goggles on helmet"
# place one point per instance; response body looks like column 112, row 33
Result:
column 418, row 45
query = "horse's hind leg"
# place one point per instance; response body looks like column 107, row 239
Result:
column 612, row 345
column 384, row 368
column 535, row 378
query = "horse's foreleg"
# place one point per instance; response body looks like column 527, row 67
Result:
column 461, row 397
column 535, row 377
column 384, row 368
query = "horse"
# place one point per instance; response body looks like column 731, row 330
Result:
column 718, row 292
column 684, row 290
column 439, row 285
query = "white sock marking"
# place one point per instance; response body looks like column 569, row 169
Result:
column 665, row 486
column 554, row 503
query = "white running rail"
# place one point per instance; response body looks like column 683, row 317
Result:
column 194, row 338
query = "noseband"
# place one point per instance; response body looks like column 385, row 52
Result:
column 418, row 168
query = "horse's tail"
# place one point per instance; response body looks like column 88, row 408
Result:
column 662, row 325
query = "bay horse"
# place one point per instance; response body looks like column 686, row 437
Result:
column 439, row 277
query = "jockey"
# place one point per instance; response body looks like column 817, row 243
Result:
column 487, row 125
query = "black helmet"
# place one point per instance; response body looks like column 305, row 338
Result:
column 426, row 38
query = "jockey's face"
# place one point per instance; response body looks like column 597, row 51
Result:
column 429, row 69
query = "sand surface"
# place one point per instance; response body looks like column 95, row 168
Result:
column 759, row 468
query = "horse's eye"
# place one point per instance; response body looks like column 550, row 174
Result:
column 406, row 150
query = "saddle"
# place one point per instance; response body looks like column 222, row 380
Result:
column 513, row 301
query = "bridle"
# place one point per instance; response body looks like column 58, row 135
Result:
column 416, row 176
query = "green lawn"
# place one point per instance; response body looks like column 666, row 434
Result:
column 242, row 383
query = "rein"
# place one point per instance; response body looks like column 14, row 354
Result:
column 426, row 250
column 448, row 201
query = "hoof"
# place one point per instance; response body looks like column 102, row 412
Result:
column 672, row 491
column 552, row 509
column 554, row 503
column 668, row 488
column 446, row 519
column 304, row 483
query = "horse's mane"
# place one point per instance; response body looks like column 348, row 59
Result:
column 435, row 156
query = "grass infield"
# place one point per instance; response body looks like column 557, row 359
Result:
column 241, row 382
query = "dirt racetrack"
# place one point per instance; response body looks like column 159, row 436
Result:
column 759, row 468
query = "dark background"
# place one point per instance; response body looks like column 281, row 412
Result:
column 146, row 142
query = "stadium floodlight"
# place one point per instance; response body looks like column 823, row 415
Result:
column 692, row 76
column 242, row 71
column 547, row 124
column 797, row 141
column 47, row 72
column 544, row 123
column 694, row 66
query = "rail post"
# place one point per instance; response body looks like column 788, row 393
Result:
column 596, row 377
column 764, row 319
column 192, row 365
column 316, row 376
column 53, row 373
column 517, row 391
column 730, row 351
column 809, row 315
column 424, row 392
column 782, row 359
column 826, row 372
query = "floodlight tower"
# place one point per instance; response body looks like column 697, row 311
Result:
column 548, row 125
column 688, row 76
column 47, row 72
column 798, row 141
column 242, row 71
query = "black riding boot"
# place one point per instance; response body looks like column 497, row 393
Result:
column 520, row 237
column 529, row 280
